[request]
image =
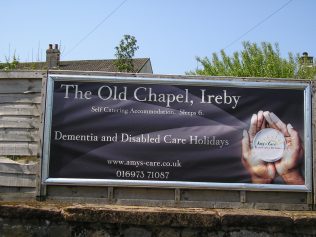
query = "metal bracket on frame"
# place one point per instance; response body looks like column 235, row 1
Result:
column 177, row 195
column 110, row 194
column 243, row 196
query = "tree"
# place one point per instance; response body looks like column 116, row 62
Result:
column 255, row 61
column 125, row 52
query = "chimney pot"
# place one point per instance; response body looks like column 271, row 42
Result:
column 52, row 56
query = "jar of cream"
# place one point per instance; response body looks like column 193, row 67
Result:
column 268, row 145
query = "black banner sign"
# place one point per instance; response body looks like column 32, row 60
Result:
column 172, row 132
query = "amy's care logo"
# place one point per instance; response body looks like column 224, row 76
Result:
column 268, row 145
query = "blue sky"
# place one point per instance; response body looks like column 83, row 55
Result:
column 170, row 32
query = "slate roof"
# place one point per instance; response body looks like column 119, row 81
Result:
column 84, row 65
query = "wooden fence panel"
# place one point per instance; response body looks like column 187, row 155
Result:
column 21, row 122
column 19, row 148
column 34, row 98
column 20, row 110
column 17, row 86
column 19, row 135
column 14, row 175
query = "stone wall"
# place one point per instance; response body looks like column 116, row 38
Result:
column 58, row 219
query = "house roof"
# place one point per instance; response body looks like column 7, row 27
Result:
column 85, row 65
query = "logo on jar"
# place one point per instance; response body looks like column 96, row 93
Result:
column 268, row 145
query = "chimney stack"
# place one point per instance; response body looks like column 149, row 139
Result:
column 52, row 56
column 306, row 60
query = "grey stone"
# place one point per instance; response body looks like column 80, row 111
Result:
column 190, row 233
column 61, row 230
column 99, row 233
column 216, row 234
column 15, row 230
column 247, row 233
column 169, row 232
column 136, row 232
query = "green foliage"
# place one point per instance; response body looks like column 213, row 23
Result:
column 255, row 61
column 9, row 65
column 307, row 73
column 125, row 52
column 306, row 70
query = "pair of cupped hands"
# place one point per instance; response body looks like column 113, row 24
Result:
column 287, row 167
